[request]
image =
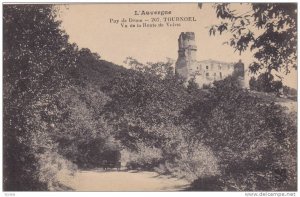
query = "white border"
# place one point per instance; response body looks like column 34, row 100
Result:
column 123, row 194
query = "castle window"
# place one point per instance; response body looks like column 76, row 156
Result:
column 206, row 67
column 219, row 66
column 215, row 74
column 220, row 75
column 207, row 74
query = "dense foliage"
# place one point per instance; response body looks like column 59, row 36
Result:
column 65, row 108
column 251, row 139
column 36, row 55
column 265, row 83
column 269, row 29
column 51, row 113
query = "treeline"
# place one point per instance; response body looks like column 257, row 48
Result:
column 65, row 108
column 222, row 138
column 265, row 82
column 51, row 118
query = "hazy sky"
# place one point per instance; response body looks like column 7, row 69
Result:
column 89, row 26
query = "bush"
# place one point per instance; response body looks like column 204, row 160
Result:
column 193, row 160
column 265, row 83
column 206, row 86
column 54, row 165
column 145, row 159
column 213, row 183
column 250, row 138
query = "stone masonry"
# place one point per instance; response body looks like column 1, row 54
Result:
column 206, row 71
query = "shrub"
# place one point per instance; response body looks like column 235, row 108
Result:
column 53, row 165
column 193, row 160
column 213, row 183
column 145, row 159
column 251, row 139
column 206, row 86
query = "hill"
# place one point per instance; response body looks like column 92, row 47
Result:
column 91, row 69
column 289, row 103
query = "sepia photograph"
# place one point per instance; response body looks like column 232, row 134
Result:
column 149, row 97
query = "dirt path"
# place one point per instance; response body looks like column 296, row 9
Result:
column 94, row 180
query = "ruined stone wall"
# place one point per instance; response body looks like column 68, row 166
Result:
column 206, row 71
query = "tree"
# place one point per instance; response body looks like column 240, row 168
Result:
column 82, row 134
column 253, row 83
column 160, row 69
column 36, row 56
column 144, row 96
column 268, row 29
column 251, row 139
column 265, row 83
column 192, row 85
column 289, row 91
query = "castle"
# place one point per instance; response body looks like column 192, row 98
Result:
column 204, row 72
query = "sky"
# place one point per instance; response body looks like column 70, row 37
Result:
column 90, row 26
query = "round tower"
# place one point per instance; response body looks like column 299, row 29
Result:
column 186, row 54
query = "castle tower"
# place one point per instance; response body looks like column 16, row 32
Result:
column 239, row 72
column 186, row 54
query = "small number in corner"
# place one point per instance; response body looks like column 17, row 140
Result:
column 9, row 194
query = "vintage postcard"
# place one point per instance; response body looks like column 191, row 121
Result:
column 150, row 97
